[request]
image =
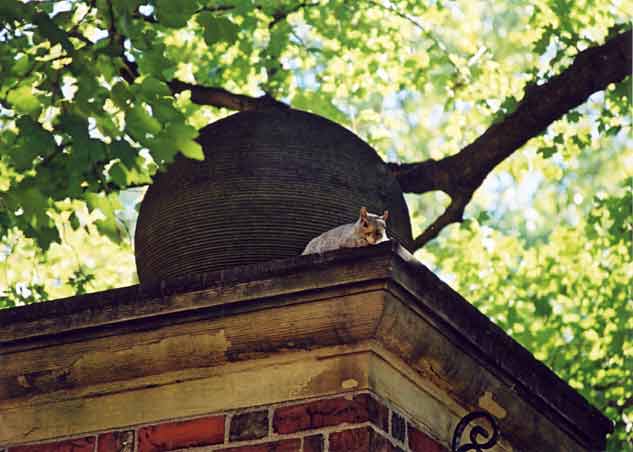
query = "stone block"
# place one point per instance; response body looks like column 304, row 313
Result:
column 398, row 426
column 245, row 426
column 313, row 443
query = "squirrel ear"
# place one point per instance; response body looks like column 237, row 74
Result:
column 385, row 215
column 363, row 212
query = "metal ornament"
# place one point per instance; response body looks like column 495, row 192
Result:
column 476, row 434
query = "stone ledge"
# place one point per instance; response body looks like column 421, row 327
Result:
column 362, row 432
column 379, row 294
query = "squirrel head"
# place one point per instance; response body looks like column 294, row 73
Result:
column 372, row 227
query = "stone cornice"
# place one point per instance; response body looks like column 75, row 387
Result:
column 378, row 296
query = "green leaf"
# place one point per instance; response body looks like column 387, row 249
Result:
column 121, row 94
column 180, row 133
column 125, row 6
column 278, row 40
column 153, row 89
column 542, row 307
column 573, row 116
column 13, row 10
column 105, row 67
column 611, row 131
column 131, row 169
column 85, row 153
column 52, row 32
column 34, row 219
column 165, row 111
column 33, row 141
column 23, row 99
column 122, row 150
column 217, row 29
column 117, row 173
column 153, row 60
column 139, row 122
column 162, row 149
column 319, row 102
column 21, row 66
column 107, row 205
column 509, row 104
column 192, row 149
column 175, row 14
column 483, row 217
column 547, row 151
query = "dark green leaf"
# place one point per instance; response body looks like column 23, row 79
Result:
column 573, row 116
column 175, row 14
column 217, row 29
column 153, row 89
column 547, row 152
column 121, row 94
column 52, row 32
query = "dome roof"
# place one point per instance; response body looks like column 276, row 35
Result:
column 270, row 182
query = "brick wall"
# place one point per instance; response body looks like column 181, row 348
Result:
column 352, row 423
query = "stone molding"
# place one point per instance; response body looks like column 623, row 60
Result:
column 364, row 319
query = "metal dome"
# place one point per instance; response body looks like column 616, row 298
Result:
column 271, row 181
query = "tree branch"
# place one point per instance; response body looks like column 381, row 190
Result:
column 454, row 213
column 204, row 95
column 461, row 174
column 283, row 14
column 212, row 9
column 219, row 97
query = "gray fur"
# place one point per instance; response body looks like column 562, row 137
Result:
column 370, row 229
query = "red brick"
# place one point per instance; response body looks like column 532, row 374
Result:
column 289, row 445
column 356, row 440
column 116, row 442
column 253, row 425
column 326, row 413
column 421, row 442
column 313, row 443
column 86, row 444
column 175, row 435
column 377, row 413
column 362, row 439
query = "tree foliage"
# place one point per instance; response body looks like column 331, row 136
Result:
column 514, row 116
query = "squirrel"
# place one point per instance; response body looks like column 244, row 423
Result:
column 369, row 229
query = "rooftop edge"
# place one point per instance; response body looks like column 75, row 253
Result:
column 489, row 343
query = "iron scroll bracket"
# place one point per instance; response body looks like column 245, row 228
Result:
column 477, row 433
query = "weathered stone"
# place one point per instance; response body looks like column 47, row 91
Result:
column 377, row 413
column 314, row 443
column 398, row 426
column 351, row 321
column 252, row 425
